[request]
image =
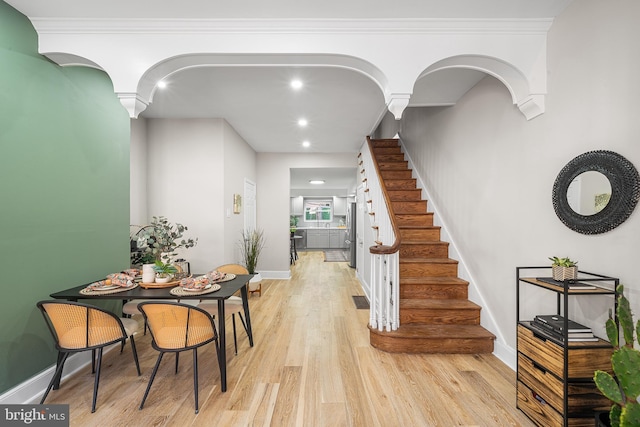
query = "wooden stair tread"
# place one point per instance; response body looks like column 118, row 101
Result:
column 413, row 331
column 414, row 213
column 432, row 280
column 428, row 260
column 419, row 227
column 425, row 242
column 438, row 304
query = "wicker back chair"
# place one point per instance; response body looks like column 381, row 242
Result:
column 232, row 305
column 177, row 327
column 77, row 327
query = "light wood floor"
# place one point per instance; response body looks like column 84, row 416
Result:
column 311, row 365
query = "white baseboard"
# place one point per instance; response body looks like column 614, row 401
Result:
column 505, row 353
column 31, row 390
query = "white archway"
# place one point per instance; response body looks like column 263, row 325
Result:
column 530, row 104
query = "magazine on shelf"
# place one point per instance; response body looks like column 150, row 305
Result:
column 576, row 335
column 593, row 339
column 572, row 337
column 572, row 284
column 555, row 323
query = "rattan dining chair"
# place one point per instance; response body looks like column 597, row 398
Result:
column 78, row 327
column 232, row 305
column 177, row 327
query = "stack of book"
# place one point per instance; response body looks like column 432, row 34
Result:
column 554, row 325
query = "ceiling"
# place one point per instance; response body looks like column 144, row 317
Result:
column 342, row 106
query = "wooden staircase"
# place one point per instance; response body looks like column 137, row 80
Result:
column 435, row 314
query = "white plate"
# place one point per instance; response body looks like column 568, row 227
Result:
column 197, row 289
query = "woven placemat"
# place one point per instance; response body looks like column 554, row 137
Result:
column 179, row 291
column 87, row 291
column 226, row 278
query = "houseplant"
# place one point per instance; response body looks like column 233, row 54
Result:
column 252, row 244
column 160, row 240
column 563, row 268
column 624, row 389
column 293, row 224
column 164, row 271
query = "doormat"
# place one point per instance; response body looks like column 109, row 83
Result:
column 335, row 256
column 361, row 302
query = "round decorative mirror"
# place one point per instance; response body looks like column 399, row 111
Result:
column 596, row 192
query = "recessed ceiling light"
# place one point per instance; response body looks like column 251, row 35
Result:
column 306, row 143
column 303, row 122
column 162, row 84
column 296, row 84
column 316, row 181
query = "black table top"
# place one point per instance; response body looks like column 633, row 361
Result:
column 226, row 290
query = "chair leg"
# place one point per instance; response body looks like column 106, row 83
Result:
column 58, row 373
column 96, row 381
column 195, row 376
column 153, row 375
column 135, row 354
column 62, row 357
column 177, row 357
column 235, row 336
column 93, row 361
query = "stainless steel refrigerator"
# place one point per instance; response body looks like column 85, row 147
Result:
column 351, row 234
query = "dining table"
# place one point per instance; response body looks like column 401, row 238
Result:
column 227, row 289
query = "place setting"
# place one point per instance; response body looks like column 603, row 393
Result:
column 113, row 283
column 207, row 283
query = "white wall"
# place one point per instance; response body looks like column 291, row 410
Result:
column 273, row 202
column 490, row 172
column 184, row 183
column 239, row 163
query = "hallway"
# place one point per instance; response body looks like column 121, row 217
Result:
column 311, row 365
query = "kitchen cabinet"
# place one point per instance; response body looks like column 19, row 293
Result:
column 337, row 239
column 326, row 239
column 340, row 206
column 555, row 375
column 318, row 239
column 297, row 206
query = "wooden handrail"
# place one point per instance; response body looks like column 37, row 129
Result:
column 395, row 247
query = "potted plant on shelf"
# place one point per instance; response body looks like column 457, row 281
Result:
column 624, row 389
column 252, row 244
column 563, row 268
column 293, row 224
column 164, row 271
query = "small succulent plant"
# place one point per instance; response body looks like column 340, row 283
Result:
column 563, row 262
column 624, row 389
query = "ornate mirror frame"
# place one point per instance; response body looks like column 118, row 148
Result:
column 625, row 191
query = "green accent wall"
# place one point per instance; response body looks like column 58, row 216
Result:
column 64, row 188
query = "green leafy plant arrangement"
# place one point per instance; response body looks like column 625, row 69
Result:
column 252, row 244
column 164, row 269
column 563, row 262
column 160, row 240
column 624, row 389
column 293, row 223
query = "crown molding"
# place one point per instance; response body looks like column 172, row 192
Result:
column 292, row 26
